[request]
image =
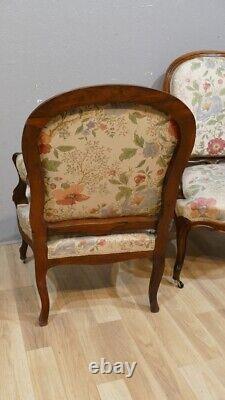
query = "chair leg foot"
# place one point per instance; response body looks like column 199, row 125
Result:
column 154, row 307
column 41, row 271
column 156, row 277
column 178, row 283
column 23, row 251
column 43, row 320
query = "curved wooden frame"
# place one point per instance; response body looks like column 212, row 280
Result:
column 41, row 230
column 183, row 225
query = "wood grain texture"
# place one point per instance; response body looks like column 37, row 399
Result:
column 103, row 312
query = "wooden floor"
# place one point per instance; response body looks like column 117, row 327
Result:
column 103, row 312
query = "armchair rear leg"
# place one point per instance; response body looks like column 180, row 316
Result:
column 23, row 251
column 156, row 277
column 40, row 273
column 182, row 228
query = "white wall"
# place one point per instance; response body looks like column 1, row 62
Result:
column 50, row 46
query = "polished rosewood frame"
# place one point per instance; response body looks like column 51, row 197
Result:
column 42, row 230
column 184, row 225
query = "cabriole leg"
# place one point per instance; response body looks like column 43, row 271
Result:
column 182, row 228
column 40, row 273
column 156, row 277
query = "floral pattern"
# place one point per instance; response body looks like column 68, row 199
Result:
column 105, row 161
column 69, row 246
column 204, row 192
column 200, row 83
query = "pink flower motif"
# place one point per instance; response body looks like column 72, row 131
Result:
column 201, row 206
column 216, row 146
column 70, row 195
column 206, row 86
column 101, row 242
column 220, row 81
column 139, row 178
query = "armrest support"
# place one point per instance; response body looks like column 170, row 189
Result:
column 19, row 193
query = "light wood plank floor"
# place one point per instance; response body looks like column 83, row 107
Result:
column 103, row 312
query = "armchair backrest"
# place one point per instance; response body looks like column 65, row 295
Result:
column 198, row 79
column 106, row 152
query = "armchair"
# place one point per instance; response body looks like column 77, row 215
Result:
column 198, row 79
column 103, row 165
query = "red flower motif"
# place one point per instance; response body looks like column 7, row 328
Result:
column 216, row 146
column 44, row 143
column 69, row 196
column 139, row 178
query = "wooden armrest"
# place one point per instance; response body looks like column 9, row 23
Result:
column 19, row 193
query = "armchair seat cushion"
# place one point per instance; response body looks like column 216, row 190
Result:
column 71, row 245
column 204, row 192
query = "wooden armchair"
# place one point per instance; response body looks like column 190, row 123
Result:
column 198, row 79
column 103, row 165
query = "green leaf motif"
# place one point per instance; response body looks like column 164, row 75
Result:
column 190, row 88
column 141, row 163
column 137, row 114
column 114, row 182
column 211, row 122
column 124, row 192
column 138, row 140
column 65, row 148
column 79, row 129
column 65, row 185
column 142, row 187
column 56, row 154
column 196, row 98
column 133, row 118
column 195, row 85
column 161, row 162
column 195, row 65
column 123, row 178
column 127, row 154
column 222, row 92
column 50, row 165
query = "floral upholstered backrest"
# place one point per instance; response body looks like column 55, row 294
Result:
column 105, row 161
column 200, row 84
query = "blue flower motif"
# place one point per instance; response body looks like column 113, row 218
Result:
column 209, row 107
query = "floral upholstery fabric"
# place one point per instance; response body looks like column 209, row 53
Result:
column 69, row 246
column 21, row 167
column 200, row 83
column 204, row 192
column 105, row 161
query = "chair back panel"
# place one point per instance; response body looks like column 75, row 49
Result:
column 104, row 161
column 200, row 83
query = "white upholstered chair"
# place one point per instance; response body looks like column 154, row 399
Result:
column 198, row 79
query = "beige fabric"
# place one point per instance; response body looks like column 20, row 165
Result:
column 204, row 192
column 105, row 161
column 21, row 167
column 70, row 246
column 200, row 83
